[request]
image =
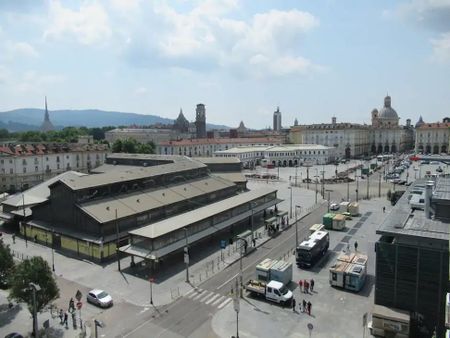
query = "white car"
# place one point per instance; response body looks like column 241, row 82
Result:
column 334, row 206
column 100, row 298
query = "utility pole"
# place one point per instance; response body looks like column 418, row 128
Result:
column 24, row 223
column 328, row 191
column 117, row 242
column 307, row 177
column 379, row 185
column 323, row 183
column 34, row 289
column 296, row 167
column 290, row 203
column 357, row 187
column 251, row 220
column 186, row 254
column 368, row 175
column 348, row 186
column 316, row 179
column 296, row 224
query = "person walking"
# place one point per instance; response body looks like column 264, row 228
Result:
column 61, row 316
column 356, row 246
column 14, row 238
column 300, row 285
column 309, row 308
column 71, row 305
column 384, row 210
column 306, row 286
column 293, row 304
column 66, row 316
column 304, row 305
column 312, row 284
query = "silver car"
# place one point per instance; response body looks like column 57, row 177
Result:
column 100, row 298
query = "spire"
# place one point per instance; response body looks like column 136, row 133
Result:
column 47, row 117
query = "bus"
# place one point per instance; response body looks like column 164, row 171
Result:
column 383, row 158
column 312, row 249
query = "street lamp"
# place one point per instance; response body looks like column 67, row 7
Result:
column 97, row 323
column 53, row 251
column 290, row 203
column 35, row 288
column 328, row 191
column 186, row 254
column 240, row 260
column 151, row 280
column 296, row 225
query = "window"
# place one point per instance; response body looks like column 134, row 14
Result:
column 36, row 168
column 57, row 159
column 24, row 170
column 57, row 166
column 11, row 171
column 334, row 276
column 24, row 162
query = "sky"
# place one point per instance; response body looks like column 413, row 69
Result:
column 314, row 59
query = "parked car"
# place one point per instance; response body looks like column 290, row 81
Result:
column 99, row 298
column 334, row 206
column 439, row 170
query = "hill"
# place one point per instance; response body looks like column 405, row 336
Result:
column 31, row 118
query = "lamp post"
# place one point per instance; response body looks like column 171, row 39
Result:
column 296, row 167
column 240, row 261
column 117, row 241
column 97, row 323
column 357, row 186
column 296, row 224
column 186, row 254
column 379, row 185
column 290, row 202
column 348, row 186
column 23, row 223
column 151, row 280
column 35, row 288
column 328, row 191
column 53, row 250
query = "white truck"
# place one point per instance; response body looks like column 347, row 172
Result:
column 273, row 291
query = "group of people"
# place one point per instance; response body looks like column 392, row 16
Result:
column 304, row 306
column 64, row 316
column 305, row 286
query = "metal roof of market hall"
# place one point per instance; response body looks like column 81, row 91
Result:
column 177, row 164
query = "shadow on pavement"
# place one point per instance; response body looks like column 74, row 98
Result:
column 8, row 314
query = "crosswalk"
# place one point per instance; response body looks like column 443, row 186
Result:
column 208, row 297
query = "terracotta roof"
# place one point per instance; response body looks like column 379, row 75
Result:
column 51, row 148
column 435, row 125
column 239, row 140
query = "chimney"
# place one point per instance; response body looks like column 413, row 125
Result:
column 428, row 193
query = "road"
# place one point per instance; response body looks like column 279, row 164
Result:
column 190, row 315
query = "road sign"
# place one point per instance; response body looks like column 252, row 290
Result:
column 78, row 295
column 236, row 304
column 223, row 244
column 79, row 305
column 186, row 257
column 151, row 280
column 310, row 326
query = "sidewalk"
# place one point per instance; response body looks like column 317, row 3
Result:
column 19, row 319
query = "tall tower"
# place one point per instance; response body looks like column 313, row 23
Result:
column 277, row 120
column 46, row 125
column 200, row 120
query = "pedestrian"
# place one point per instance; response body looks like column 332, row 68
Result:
column 306, row 286
column 66, row 316
column 254, row 242
column 312, row 284
column 71, row 305
column 61, row 316
column 356, row 246
column 14, row 238
column 348, row 247
column 300, row 285
column 304, row 305
column 293, row 304
column 384, row 210
column 309, row 308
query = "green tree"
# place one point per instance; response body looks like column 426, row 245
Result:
column 6, row 263
column 129, row 146
column 4, row 134
column 117, row 146
column 34, row 270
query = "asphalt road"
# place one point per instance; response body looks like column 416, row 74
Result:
column 190, row 316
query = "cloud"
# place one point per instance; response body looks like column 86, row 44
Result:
column 21, row 49
column 433, row 15
column 88, row 25
column 141, row 91
column 34, row 82
column 441, row 48
column 204, row 38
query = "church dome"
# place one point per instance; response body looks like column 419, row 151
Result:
column 420, row 122
column 387, row 112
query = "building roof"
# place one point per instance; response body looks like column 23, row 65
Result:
column 104, row 210
column 180, row 164
column 403, row 221
column 231, row 176
column 435, row 125
column 237, row 140
column 217, row 160
column 139, row 131
column 184, row 220
column 340, row 125
column 387, row 112
column 32, row 149
column 39, row 193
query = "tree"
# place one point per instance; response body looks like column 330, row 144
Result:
column 129, row 146
column 34, row 270
column 117, row 146
column 6, row 264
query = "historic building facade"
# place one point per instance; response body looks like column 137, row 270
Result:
column 384, row 135
column 432, row 138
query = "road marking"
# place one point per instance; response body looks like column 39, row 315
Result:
column 224, row 303
column 212, row 298
column 190, row 292
column 227, row 281
column 199, row 295
column 218, row 300
column 208, row 294
column 196, row 293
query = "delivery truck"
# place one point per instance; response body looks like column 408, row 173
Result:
column 273, row 291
